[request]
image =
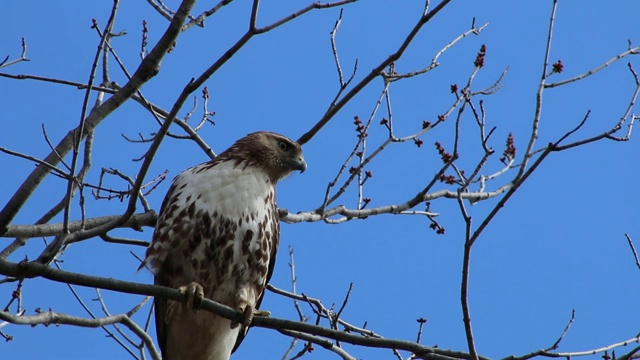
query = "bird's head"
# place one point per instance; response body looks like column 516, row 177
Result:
column 276, row 154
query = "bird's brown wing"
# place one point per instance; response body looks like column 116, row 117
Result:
column 160, row 313
column 272, row 264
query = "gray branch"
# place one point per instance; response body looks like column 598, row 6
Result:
column 50, row 317
column 34, row 269
column 136, row 222
column 148, row 68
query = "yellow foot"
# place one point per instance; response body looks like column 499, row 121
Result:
column 248, row 312
column 193, row 294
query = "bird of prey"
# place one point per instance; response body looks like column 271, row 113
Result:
column 217, row 236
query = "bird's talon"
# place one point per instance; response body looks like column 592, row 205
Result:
column 193, row 293
column 262, row 313
column 247, row 314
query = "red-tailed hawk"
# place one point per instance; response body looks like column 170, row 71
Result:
column 217, row 235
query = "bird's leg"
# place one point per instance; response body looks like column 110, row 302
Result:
column 193, row 293
column 247, row 310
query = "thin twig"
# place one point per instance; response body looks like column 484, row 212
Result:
column 631, row 51
column 329, row 345
column 143, row 74
column 23, row 56
column 375, row 72
column 564, row 332
column 538, row 110
column 633, row 249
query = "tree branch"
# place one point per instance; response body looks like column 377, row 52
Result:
column 35, row 269
column 148, row 68
column 375, row 72
column 135, row 222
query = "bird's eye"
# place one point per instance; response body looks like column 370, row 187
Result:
column 283, row 146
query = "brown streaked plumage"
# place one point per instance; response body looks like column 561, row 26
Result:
column 219, row 227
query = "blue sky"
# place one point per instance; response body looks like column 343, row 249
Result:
column 558, row 245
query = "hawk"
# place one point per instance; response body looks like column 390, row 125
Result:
column 217, row 236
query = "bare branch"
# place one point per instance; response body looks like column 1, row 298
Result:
column 375, row 72
column 538, row 112
column 79, row 133
column 631, row 51
column 199, row 20
column 93, row 316
column 38, row 161
column 23, row 56
column 334, row 49
column 122, row 241
column 144, row 73
column 421, row 322
column 609, row 133
column 312, row 6
column 349, row 214
column 633, row 250
column 163, row 11
column 434, row 62
column 564, row 332
column 329, row 345
column 136, row 222
column 49, row 317
column 543, row 352
column 464, row 287
column 594, row 351
column 35, row 269
column 86, row 165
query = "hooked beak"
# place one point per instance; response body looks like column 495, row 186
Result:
column 299, row 164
